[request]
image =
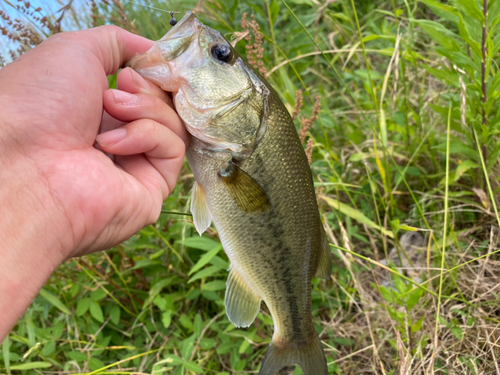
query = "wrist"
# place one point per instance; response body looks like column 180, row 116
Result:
column 28, row 253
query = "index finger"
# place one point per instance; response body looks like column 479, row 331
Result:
column 112, row 45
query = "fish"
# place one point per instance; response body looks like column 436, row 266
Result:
column 253, row 180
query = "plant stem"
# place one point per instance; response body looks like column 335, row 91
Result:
column 483, row 79
column 445, row 229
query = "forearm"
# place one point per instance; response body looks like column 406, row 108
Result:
column 29, row 248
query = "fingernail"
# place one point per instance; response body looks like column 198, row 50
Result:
column 124, row 98
column 139, row 81
column 111, row 137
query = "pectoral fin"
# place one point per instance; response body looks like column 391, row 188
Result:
column 242, row 304
column 199, row 208
column 247, row 193
column 325, row 258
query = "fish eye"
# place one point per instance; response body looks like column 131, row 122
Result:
column 222, row 52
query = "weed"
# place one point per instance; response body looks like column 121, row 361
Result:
column 406, row 140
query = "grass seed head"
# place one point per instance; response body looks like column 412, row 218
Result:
column 299, row 100
column 255, row 51
column 309, row 150
column 306, row 123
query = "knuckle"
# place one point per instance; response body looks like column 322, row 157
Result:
column 150, row 126
column 108, row 29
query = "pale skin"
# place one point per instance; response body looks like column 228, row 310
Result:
column 61, row 196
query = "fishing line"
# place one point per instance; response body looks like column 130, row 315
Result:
column 173, row 20
column 176, row 213
column 149, row 6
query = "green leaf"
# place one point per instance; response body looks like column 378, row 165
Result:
column 160, row 302
column 173, row 359
column 144, row 263
column 458, row 58
column 58, row 330
column 6, row 354
column 413, row 298
column 466, row 35
column 470, row 9
column 207, row 343
column 445, row 75
column 78, row 356
column 225, row 347
column 244, row 346
column 275, row 10
column 493, row 86
column 355, row 214
column 49, row 348
column 387, row 293
column 440, row 34
column 464, row 167
column 214, row 286
column 219, row 262
column 31, row 366
column 97, row 294
column 155, row 289
column 493, row 12
column 187, row 347
column 458, row 147
column 30, row 328
column 186, row 322
column 95, row 364
column 96, row 312
column 201, row 243
column 54, row 301
column 417, row 325
column 211, row 296
column 210, row 271
column 114, row 314
column 205, row 259
column 445, row 11
column 191, row 366
column 198, row 325
column 158, row 254
column 166, row 318
column 408, row 228
column 83, row 306
column 457, row 332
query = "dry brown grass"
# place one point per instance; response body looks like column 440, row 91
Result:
column 468, row 333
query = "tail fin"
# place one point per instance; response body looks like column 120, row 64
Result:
column 310, row 358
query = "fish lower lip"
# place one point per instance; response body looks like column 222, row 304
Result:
column 151, row 68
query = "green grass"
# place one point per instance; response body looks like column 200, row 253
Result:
column 405, row 139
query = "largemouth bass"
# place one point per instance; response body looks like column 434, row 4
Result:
column 252, row 179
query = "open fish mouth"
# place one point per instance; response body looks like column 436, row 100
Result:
column 155, row 64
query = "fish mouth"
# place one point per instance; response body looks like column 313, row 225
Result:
column 155, row 64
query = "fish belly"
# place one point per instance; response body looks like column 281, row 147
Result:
column 276, row 251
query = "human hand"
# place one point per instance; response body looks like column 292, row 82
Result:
column 60, row 196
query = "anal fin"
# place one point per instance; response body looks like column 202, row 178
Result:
column 242, row 304
column 199, row 208
column 324, row 270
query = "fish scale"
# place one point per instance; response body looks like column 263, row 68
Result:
column 253, row 181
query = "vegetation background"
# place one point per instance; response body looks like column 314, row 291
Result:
column 405, row 140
